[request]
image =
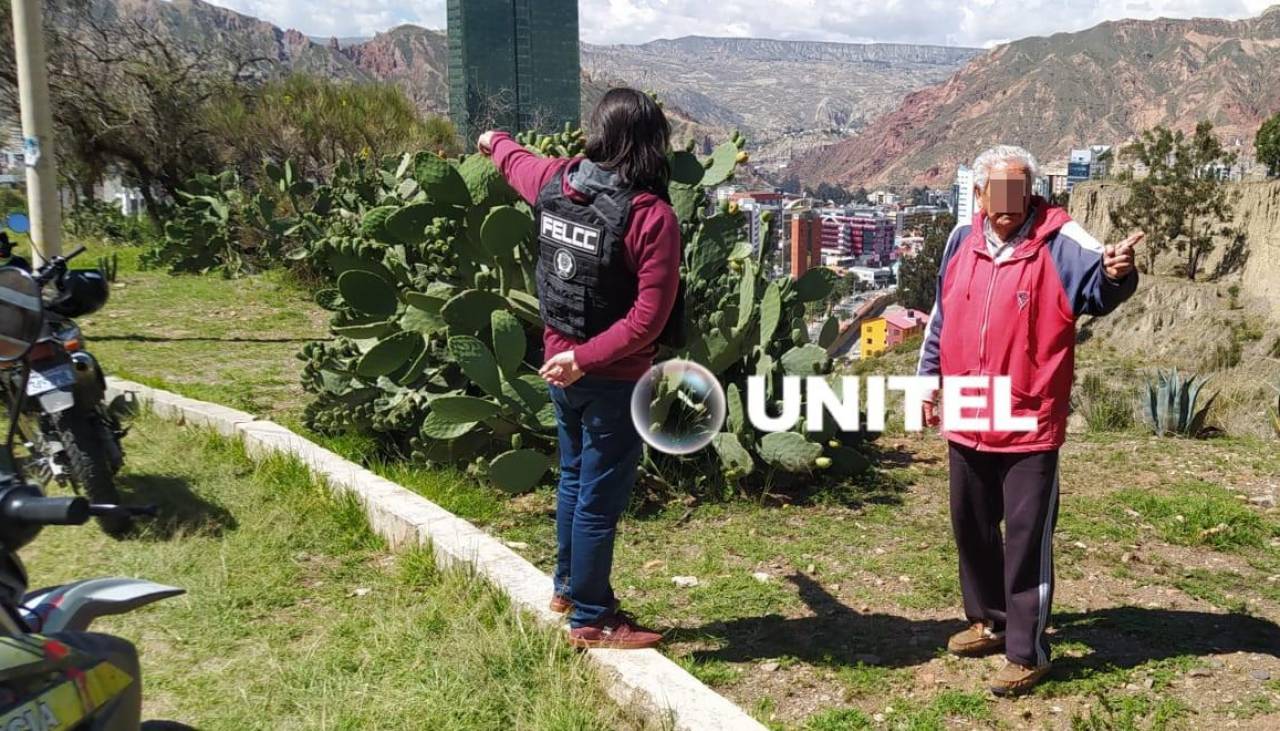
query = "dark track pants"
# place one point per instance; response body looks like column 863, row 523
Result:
column 1007, row 581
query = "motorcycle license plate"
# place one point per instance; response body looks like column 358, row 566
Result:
column 43, row 382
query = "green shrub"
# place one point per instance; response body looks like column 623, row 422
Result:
column 1104, row 408
column 101, row 221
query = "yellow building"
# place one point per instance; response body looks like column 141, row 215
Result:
column 873, row 337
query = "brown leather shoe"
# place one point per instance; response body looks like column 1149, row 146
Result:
column 977, row 640
column 617, row 631
column 1015, row 679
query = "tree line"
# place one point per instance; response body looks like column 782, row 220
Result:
column 158, row 109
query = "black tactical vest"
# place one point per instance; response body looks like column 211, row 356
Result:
column 584, row 284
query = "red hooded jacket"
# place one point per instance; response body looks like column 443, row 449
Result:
column 1017, row 318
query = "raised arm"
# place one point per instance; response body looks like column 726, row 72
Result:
column 1082, row 267
column 526, row 172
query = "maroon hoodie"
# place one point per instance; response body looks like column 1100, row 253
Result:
column 625, row 351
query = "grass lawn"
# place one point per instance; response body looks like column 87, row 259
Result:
column 831, row 614
column 298, row 617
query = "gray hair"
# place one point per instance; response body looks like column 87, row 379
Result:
column 1002, row 154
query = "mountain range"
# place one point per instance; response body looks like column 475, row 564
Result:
column 766, row 88
column 1102, row 85
column 854, row 114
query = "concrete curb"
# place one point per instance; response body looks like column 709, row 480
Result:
column 644, row 678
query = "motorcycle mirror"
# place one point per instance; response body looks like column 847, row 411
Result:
column 18, row 222
column 21, row 313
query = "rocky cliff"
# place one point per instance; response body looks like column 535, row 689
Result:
column 1257, row 217
column 1101, row 85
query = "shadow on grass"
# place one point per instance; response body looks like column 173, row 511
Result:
column 1126, row 637
column 835, row 636
column 1121, row 637
column 159, row 339
column 181, row 511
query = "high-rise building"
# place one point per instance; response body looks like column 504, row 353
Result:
column 806, row 243
column 963, row 194
column 513, row 64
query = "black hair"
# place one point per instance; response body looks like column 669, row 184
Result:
column 629, row 135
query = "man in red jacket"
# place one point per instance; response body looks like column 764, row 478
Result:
column 1011, row 285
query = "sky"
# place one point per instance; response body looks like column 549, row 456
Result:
column 978, row 23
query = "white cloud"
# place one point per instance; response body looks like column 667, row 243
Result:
column 953, row 22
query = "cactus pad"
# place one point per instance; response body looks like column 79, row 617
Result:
column 368, row 293
column 390, row 354
column 440, row 180
column 518, row 470
column 469, row 310
column 477, row 363
column 789, row 451
column 806, row 360
column 503, row 229
column 685, row 168
column 461, row 409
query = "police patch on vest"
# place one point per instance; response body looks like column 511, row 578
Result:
column 569, row 233
column 565, row 265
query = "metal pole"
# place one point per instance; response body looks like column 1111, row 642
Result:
column 37, row 131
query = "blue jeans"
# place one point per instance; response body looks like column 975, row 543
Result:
column 599, row 453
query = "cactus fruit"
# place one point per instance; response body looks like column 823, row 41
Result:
column 822, row 463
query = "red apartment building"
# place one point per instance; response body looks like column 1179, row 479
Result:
column 806, row 243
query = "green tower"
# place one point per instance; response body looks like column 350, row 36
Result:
column 513, row 64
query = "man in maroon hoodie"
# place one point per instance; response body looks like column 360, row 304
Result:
column 608, row 280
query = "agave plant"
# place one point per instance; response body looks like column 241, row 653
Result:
column 1173, row 404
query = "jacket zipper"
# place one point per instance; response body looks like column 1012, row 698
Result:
column 986, row 316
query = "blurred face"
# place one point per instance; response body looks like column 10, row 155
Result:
column 1007, row 197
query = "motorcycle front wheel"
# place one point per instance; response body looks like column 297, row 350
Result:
column 90, row 464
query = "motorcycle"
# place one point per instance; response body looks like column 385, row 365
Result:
column 54, row 674
column 72, row 436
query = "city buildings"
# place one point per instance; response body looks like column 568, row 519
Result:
column 891, row 329
column 806, row 243
column 513, row 64
column 962, row 194
column 862, row 233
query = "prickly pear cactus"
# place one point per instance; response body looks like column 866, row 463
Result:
column 437, row 335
